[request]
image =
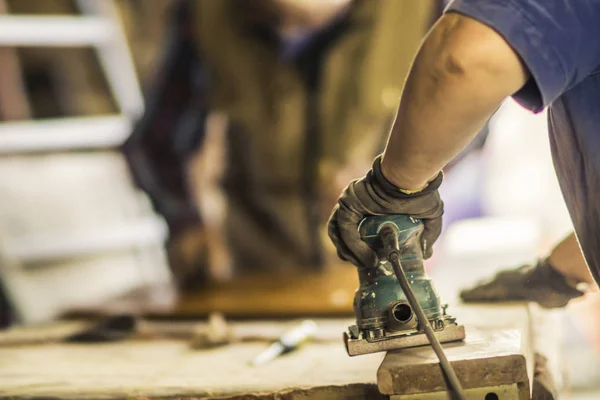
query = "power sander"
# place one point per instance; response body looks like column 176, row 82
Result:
column 386, row 318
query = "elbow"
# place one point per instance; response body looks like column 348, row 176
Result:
column 452, row 64
column 462, row 65
column 465, row 49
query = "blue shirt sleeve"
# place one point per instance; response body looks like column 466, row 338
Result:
column 558, row 40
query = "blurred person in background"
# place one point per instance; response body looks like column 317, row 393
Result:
column 480, row 52
column 308, row 90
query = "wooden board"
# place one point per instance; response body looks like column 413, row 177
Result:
column 169, row 369
column 546, row 326
column 504, row 343
column 485, row 359
column 32, row 367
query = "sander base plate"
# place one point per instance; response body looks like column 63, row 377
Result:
column 355, row 347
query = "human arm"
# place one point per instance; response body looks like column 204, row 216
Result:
column 539, row 50
column 172, row 126
column 442, row 109
column 461, row 74
column 551, row 281
column 550, row 43
column 567, row 259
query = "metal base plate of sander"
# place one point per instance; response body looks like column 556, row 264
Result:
column 357, row 345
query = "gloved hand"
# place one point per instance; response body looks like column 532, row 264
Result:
column 375, row 195
column 540, row 283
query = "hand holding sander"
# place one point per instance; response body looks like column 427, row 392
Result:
column 396, row 304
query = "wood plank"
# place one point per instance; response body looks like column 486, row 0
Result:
column 165, row 368
column 485, row 359
column 506, row 344
column 159, row 369
column 498, row 351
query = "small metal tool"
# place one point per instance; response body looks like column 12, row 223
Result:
column 289, row 341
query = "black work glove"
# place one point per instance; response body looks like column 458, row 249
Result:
column 375, row 195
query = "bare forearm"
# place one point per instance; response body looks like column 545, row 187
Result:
column 460, row 76
column 566, row 258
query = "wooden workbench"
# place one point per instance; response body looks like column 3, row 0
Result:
column 161, row 369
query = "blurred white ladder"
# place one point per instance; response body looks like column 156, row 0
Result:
column 99, row 28
column 141, row 231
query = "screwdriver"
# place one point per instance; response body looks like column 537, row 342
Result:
column 289, row 341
